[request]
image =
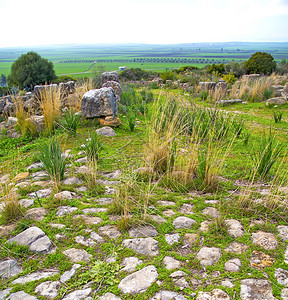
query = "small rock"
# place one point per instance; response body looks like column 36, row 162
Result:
column 190, row 239
column 90, row 220
column 281, row 276
column 63, row 210
column 215, row 294
column 171, row 263
column 4, row 293
column 26, row 202
column 183, row 222
column 58, row 226
column 9, row 268
column 41, row 194
column 104, row 201
column 81, row 160
column 139, row 281
column 48, row 289
column 233, row 265
column 157, row 219
column 34, row 276
column 65, row 195
column 78, row 295
column 96, row 237
column 166, row 203
column 169, row 213
column 130, row 264
column 235, row 228
column 256, row 222
column 264, row 239
column 106, row 131
column 83, row 241
column 69, row 274
column 167, row 295
column 110, row 230
column 113, row 175
column 286, row 256
column 77, row 255
column 172, row 238
column 284, row 294
column 211, row 212
column 37, row 213
column 72, row 181
column 94, row 210
column 178, row 274
column 7, row 229
column 205, row 225
column 146, row 246
column 21, row 176
column 186, row 209
column 208, row 256
column 260, row 260
column 21, row 296
column 227, row 283
column 283, row 232
column 252, row 289
column 4, row 179
column 109, row 296
column 41, row 245
column 38, row 165
column 237, row 248
column 143, row 231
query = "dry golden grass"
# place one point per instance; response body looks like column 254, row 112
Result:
column 80, row 89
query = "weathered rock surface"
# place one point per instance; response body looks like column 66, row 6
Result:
column 283, row 232
column 233, row 265
column 63, row 210
column 21, row 296
column 109, row 76
column 69, row 274
column 260, row 260
column 266, row 240
column 109, row 296
column 216, row 294
column 146, row 246
column 48, row 289
column 139, row 281
column 281, row 276
column 130, row 264
column 168, row 295
column 116, row 87
column 9, row 268
column 237, row 248
column 37, row 213
column 110, row 230
column 211, row 212
column 276, row 101
column 34, row 276
column 106, row 131
column 172, row 238
column 77, row 255
column 78, row 295
column 256, row 289
column 143, row 231
column 183, row 222
column 208, row 256
column 99, row 103
column 235, row 228
column 171, row 263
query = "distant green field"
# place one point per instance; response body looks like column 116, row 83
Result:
column 78, row 59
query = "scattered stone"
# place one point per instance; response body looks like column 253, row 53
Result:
column 22, row 184
column 48, row 289
column 265, row 239
column 80, row 160
column 9, row 268
column 211, row 202
column 286, row 256
column 58, row 226
column 83, row 170
column 139, row 281
column 21, row 176
column 235, row 228
column 77, row 255
column 252, row 289
column 260, row 260
column 171, row 263
column 26, row 202
column 208, row 256
column 106, row 131
column 284, row 294
column 130, row 264
column 172, row 238
column 107, row 182
column 110, row 230
column 81, row 189
column 41, row 194
column 21, row 296
column 147, row 246
column 211, row 212
column 5, row 293
column 109, row 76
column 63, row 210
column 215, row 294
column 72, row 181
column 110, row 121
column 41, row 245
column 143, row 231
column 281, row 276
column 113, row 175
column 190, row 239
column 276, row 101
column 41, row 183
column 104, row 201
column 34, row 276
column 237, row 248
column 90, row 220
column 65, row 195
column 96, row 237
column 94, row 210
column 256, row 222
column 186, row 209
column 167, row 295
column 38, row 165
column 227, row 283
column 84, row 241
column 283, row 232
column 39, row 175
column 166, row 203
column 205, row 225
column 183, row 222
column 109, row 190
column 78, row 295
column 37, row 213
column 178, row 274
column 169, row 213
column 233, row 265
column 109, row 296
column 69, row 274
column 157, row 219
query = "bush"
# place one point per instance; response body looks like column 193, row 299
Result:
column 31, row 69
column 70, row 122
column 260, row 63
column 230, row 78
column 134, row 74
column 219, row 69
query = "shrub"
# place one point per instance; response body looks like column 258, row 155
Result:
column 31, row 69
column 54, row 162
column 230, row 78
column 261, row 63
column 134, row 74
column 70, row 122
column 219, row 69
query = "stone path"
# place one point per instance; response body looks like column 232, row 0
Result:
column 174, row 257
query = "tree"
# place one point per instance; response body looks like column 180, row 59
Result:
column 31, row 69
column 260, row 63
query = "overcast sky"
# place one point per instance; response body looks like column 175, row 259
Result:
column 36, row 22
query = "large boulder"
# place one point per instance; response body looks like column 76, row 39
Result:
column 276, row 101
column 67, row 88
column 99, row 103
column 109, row 76
column 206, row 85
column 116, row 87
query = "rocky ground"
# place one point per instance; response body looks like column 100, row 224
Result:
column 72, row 246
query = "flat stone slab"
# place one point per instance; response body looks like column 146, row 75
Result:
column 208, row 256
column 283, row 232
column 260, row 260
column 171, row 263
column 104, row 200
column 256, row 289
column 78, row 295
column 146, row 246
column 143, row 231
column 88, row 242
column 167, row 295
column 172, row 238
column 139, row 281
column 35, row 166
column 281, row 276
column 26, row 202
column 237, row 248
column 109, row 296
column 110, row 230
column 186, row 209
column 48, row 289
column 90, row 220
column 72, row 181
column 235, row 228
column 77, row 255
column 211, row 212
column 41, row 245
column 69, row 274
column 215, row 294
column 106, row 131
column 41, row 194
column 65, row 195
column 37, row 213
column 64, row 210
column 266, row 240
column 9, row 268
column 190, row 239
column 233, row 265
column 34, row 276
column 130, row 264
column 94, row 210
column 21, row 296
column 157, row 219
column 183, row 222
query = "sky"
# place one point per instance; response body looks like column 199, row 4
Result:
column 36, row 22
